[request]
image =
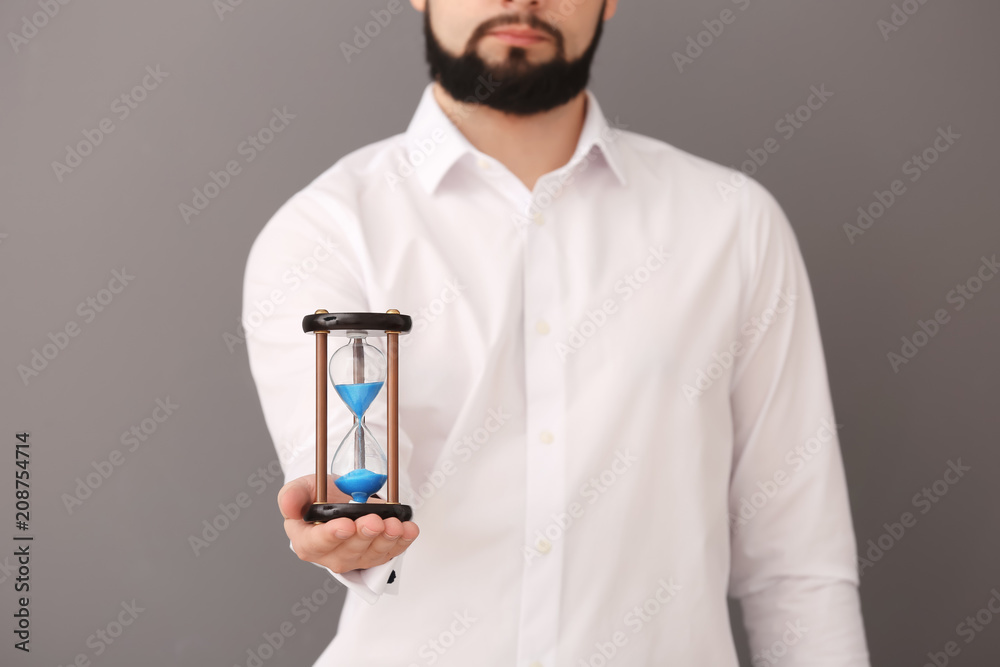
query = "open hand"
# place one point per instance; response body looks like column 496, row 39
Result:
column 341, row 544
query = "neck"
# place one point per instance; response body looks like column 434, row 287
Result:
column 529, row 146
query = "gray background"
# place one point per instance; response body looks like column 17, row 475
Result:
column 163, row 336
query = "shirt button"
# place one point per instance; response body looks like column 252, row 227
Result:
column 543, row 546
column 539, row 219
column 536, row 664
column 483, row 163
column 546, row 437
column 542, row 327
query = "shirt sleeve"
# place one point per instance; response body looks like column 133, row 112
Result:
column 309, row 256
column 793, row 567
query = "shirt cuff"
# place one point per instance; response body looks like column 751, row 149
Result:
column 369, row 584
column 816, row 621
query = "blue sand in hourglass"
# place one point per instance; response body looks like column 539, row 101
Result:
column 358, row 396
column 360, row 483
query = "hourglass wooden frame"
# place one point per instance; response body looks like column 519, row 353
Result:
column 391, row 325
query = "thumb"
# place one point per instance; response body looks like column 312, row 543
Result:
column 296, row 496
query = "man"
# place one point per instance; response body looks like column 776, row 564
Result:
column 613, row 405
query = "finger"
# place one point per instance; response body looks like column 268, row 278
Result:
column 367, row 528
column 410, row 533
column 296, row 496
column 382, row 545
column 312, row 541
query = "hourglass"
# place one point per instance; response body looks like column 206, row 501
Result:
column 358, row 371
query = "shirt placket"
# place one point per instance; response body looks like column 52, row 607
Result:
column 545, row 496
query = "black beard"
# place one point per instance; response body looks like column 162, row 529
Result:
column 517, row 86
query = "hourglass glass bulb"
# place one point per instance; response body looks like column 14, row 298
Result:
column 359, row 478
column 357, row 371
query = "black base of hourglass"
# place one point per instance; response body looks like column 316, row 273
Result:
column 323, row 512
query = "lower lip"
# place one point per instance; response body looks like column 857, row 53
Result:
column 517, row 40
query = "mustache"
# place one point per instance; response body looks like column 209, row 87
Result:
column 530, row 20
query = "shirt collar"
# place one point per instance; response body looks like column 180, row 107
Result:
column 434, row 143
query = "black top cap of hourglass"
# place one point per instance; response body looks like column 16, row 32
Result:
column 373, row 324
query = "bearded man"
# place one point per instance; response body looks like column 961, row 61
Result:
column 614, row 411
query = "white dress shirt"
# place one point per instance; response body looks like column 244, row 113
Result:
column 613, row 405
